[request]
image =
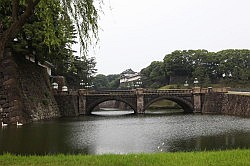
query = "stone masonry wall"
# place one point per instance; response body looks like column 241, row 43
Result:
column 228, row 104
column 212, row 103
column 25, row 93
column 236, row 105
column 68, row 105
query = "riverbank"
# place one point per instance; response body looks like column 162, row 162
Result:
column 230, row 157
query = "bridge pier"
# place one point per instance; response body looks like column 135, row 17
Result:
column 140, row 101
column 82, row 101
column 197, row 99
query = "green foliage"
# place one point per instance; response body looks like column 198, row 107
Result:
column 80, row 69
column 106, row 82
column 50, row 23
column 36, row 36
column 114, row 81
column 50, row 32
column 235, row 64
column 208, row 67
column 101, row 81
column 178, row 63
column 154, row 75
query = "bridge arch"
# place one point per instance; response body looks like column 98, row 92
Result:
column 93, row 104
column 186, row 105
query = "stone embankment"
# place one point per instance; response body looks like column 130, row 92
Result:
column 68, row 104
column 25, row 92
column 226, row 103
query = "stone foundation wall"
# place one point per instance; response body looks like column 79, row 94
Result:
column 236, row 105
column 68, row 105
column 25, row 92
column 228, row 104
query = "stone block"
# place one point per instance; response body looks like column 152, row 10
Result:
column 2, row 102
column 6, row 105
column 9, row 82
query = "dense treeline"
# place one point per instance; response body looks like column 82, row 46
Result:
column 208, row 67
column 223, row 67
column 102, row 82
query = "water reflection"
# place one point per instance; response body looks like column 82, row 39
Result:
column 112, row 112
column 127, row 134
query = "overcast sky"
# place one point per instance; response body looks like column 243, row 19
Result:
column 136, row 32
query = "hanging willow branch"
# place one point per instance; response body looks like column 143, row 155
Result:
column 82, row 13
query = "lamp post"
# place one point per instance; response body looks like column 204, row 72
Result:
column 196, row 82
column 86, row 85
column 82, row 84
column 55, row 85
column 186, row 84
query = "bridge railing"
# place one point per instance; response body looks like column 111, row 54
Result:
column 112, row 92
column 172, row 91
column 144, row 91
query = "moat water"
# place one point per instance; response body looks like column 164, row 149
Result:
column 114, row 132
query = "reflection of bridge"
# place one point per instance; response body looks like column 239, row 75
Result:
column 83, row 101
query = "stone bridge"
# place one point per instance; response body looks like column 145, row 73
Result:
column 83, row 102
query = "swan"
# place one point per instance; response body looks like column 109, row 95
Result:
column 19, row 124
column 4, row 124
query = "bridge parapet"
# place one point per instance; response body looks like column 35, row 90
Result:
column 216, row 90
column 168, row 91
column 111, row 93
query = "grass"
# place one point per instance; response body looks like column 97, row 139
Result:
column 230, row 157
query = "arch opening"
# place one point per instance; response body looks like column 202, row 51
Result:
column 111, row 107
column 168, row 105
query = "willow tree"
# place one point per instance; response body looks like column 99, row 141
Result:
column 83, row 13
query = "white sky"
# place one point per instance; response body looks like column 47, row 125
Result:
column 137, row 32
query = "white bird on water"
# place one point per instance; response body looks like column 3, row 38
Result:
column 4, row 124
column 19, row 124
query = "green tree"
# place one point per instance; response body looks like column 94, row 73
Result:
column 234, row 64
column 80, row 70
column 31, row 40
column 82, row 13
column 202, row 66
column 101, row 81
column 154, row 75
column 114, row 81
column 111, row 81
column 178, row 63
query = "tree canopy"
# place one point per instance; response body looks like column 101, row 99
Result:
column 111, row 81
column 207, row 67
column 55, row 17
